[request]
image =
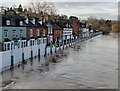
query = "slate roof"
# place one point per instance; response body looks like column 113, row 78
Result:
column 64, row 24
column 54, row 25
column 15, row 21
column 7, row 40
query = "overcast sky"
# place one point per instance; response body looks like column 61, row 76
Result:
column 107, row 9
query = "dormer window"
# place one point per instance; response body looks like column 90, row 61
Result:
column 21, row 23
column 26, row 20
column 66, row 25
column 33, row 21
column 7, row 22
column 69, row 25
column 40, row 22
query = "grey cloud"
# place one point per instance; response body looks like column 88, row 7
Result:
column 76, row 4
column 100, row 15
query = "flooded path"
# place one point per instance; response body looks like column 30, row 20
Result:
column 92, row 64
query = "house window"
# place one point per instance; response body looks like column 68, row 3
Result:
column 39, row 41
column 14, row 35
column 7, row 22
column 18, row 44
column 43, row 32
column 8, row 46
column 33, row 21
column 5, row 33
column 51, row 30
column 21, row 33
column 4, row 47
column 30, row 42
column 31, row 32
column 38, row 32
column 24, row 44
column 44, row 40
column 33, row 42
column 21, row 23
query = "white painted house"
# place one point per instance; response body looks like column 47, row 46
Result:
column 67, row 32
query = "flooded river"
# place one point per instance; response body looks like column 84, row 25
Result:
column 92, row 64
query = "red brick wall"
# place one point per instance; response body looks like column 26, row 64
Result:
column 57, row 33
column 75, row 27
column 35, row 31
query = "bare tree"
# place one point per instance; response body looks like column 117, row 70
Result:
column 43, row 7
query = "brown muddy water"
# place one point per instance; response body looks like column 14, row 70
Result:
column 92, row 64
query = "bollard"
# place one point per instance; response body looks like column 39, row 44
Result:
column 66, row 43
column 12, row 62
column 55, row 49
column 69, row 42
column 31, row 54
column 63, row 44
column 51, row 48
column 45, row 55
column 23, row 60
column 59, row 46
column 39, row 53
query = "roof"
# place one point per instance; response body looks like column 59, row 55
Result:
column 7, row 40
column 53, row 24
column 15, row 21
column 12, row 18
column 64, row 24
